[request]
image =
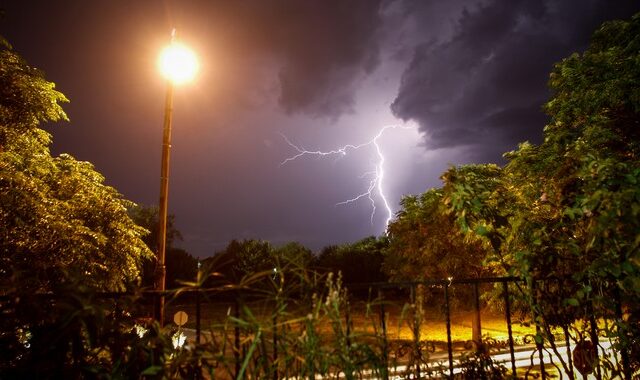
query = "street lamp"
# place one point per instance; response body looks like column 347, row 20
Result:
column 178, row 64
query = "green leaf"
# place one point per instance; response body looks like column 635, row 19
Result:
column 538, row 338
column 572, row 302
column 481, row 230
column 627, row 267
column 153, row 370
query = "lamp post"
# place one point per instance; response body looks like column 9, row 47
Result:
column 179, row 65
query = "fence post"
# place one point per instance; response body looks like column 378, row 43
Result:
column 198, row 315
column 383, row 324
column 507, row 310
column 476, row 323
column 416, row 299
column 236, row 335
column 539, row 342
column 275, row 346
column 567, row 342
column 448, row 317
column 594, row 339
column 347, row 320
column 626, row 367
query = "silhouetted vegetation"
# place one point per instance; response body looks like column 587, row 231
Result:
column 180, row 265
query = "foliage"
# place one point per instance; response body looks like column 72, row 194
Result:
column 147, row 217
column 565, row 212
column 252, row 258
column 480, row 366
column 242, row 258
column 480, row 199
column 27, row 99
column 426, row 243
column 294, row 254
column 257, row 331
column 359, row 262
column 58, row 220
column 569, row 208
column 77, row 334
column 180, row 265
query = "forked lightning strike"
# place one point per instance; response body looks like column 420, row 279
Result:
column 377, row 175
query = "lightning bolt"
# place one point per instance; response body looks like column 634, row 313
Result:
column 377, row 175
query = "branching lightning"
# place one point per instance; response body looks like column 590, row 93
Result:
column 377, row 175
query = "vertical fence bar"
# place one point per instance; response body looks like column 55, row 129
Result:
column 539, row 337
column 476, row 326
column 594, row 339
column 198, row 313
column 347, row 320
column 154, row 307
column 540, row 347
column 417, row 320
column 385, row 343
column 567, row 342
column 275, row 346
column 507, row 311
column 236, row 336
column 448, row 318
column 626, row 366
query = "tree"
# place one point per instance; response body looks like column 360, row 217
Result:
column 588, row 168
column 483, row 199
column 294, row 254
column 359, row 262
column 181, row 266
column 58, row 220
column 147, row 217
column 585, row 223
column 426, row 243
column 568, row 209
column 242, row 258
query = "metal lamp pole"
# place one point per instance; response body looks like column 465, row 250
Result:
column 161, row 271
column 179, row 65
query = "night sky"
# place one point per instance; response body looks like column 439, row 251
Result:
column 466, row 78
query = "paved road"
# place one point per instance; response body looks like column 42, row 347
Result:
column 528, row 356
column 525, row 356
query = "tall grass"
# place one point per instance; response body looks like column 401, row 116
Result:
column 297, row 324
column 289, row 323
column 274, row 331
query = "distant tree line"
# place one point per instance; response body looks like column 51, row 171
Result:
column 358, row 262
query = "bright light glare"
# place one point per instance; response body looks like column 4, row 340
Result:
column 178, row 63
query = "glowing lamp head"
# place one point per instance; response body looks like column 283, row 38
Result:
column 178, row 63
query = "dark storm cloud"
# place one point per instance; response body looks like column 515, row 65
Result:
column 486, row 84
column 474, row 77
column 322, row 48
column 340, row 45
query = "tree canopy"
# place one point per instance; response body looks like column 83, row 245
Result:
column 568, row 210
column 426, row 243
column 359, row 262
column 180, row 265
column 57, row 217
column 570, row 206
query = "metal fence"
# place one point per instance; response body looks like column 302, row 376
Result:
column 450, row 328
column 394, row 307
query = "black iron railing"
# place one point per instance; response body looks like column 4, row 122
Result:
column 545, row 351
column 387, row 328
